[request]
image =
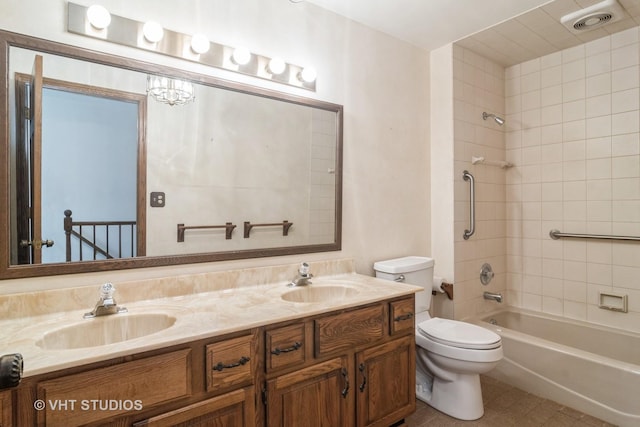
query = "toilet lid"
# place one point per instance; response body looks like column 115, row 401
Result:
column 459, row 334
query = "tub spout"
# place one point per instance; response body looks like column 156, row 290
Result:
column 489, row 295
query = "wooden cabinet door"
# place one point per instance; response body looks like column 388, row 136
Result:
column 317, row 396
column 233, row 409
column 386, row 382
column 6, row 413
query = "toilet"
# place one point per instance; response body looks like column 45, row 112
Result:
column 450, row 354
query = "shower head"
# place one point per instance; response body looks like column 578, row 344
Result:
column 498, row 120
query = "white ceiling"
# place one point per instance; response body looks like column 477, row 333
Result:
column 429, row 24
column 520, row 29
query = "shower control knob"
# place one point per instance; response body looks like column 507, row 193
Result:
column 486, row 274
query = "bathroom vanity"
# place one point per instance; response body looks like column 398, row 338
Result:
column 340, row 352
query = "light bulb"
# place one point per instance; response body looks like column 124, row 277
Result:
column 276, row 66
column 200, row 43
column 308, row 74
column 153, row 31
column 98, row 16
column 241, row 56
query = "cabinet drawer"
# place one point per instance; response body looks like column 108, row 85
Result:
column 102, row 393
column 285, row 346
column 401, row 315
column 349, row 329
column 233, row 409
column 230, row 363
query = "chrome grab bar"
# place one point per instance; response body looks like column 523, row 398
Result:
column 472, row 205
column 556, row 234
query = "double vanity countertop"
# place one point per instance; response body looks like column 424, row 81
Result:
column 191, row 316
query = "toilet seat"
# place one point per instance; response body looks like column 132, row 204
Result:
column 459, row 334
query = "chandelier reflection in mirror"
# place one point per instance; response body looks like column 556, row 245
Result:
column 170, row 91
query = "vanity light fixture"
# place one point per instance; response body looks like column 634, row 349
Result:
column 170, row 91
column 308, row 75
column 241, row 56
column 98, row 17
column 276, row 66
column 151, row 36
column 200, row 43
column 153, row 31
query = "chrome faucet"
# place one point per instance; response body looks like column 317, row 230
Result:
column 303, row 278
column 491, row 296
column 106, row 304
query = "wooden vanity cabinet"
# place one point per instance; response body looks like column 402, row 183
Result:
column 233, row 409
column 107, row 392
column 318, row 395
column 6, row 409
column 205, row 382
column 348, row 368
column 285, row 347
column 386, row 382
column 231, row 363
column 230, row 367
column 356, row 368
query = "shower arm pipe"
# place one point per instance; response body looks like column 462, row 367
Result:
column 556, row 234
column 472, row 205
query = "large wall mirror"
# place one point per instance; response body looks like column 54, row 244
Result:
column 101, row 175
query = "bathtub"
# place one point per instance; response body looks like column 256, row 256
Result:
column 591, row 368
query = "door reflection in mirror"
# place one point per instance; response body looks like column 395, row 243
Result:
column 86, row 161
column 89, row 165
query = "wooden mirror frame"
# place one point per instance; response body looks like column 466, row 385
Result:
column 8, row 271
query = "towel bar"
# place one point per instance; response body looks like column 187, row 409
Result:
column 557, row 234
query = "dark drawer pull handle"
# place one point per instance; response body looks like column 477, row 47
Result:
column 295, row 347
column 345, row 390
column 403, row 317
column 220, row 366
column 361, row 368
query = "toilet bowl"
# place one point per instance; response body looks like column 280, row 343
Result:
column 450, row 357
column 450, row 354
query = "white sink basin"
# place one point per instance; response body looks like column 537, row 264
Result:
column 105, row 330
column 316, row 293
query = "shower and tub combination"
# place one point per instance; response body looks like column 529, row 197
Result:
column 591, row 368
column 588, row 367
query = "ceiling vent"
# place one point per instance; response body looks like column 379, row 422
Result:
column 593, row 16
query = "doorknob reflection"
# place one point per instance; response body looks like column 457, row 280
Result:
column 38, row 244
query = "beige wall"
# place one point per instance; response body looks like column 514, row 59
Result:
column 442, row 182
column 382, row 82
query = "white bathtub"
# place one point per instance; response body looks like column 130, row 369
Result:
column 587, row 367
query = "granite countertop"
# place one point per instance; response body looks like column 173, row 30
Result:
column 197, row 316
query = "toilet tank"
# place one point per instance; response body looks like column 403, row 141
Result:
column 413, row 270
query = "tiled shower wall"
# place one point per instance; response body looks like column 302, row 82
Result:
column 573, row 132
column 478, row 86
column 322, row 180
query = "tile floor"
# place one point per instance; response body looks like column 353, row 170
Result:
column 504, row 406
